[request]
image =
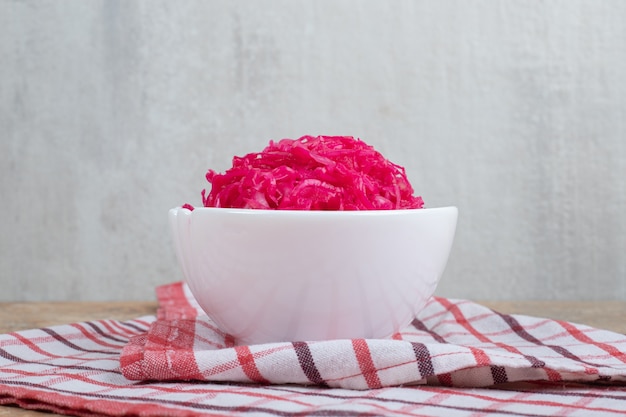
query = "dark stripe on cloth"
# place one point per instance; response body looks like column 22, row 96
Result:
column 103, row 334
column 307, row 363
column 421, row 326
column 67, row 343
column 424, row 362
column 7, row 399
column 523, row 333
column 498, row 373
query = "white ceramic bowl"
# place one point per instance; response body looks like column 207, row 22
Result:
column 273, row 275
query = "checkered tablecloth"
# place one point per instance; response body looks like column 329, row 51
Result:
column 457, row 358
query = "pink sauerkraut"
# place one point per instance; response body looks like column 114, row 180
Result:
column 312, row 173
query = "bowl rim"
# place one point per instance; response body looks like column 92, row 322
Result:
column 238, row 211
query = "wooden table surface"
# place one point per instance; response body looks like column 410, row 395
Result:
column 608, row 315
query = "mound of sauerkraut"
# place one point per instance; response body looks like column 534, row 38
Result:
column 312, row 173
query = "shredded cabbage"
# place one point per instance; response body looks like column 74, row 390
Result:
column 312, row 173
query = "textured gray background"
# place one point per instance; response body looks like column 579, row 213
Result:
column 514, row 111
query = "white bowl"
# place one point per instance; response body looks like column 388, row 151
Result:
column 275, row 275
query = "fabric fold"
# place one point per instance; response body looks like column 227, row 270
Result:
column 451, row 343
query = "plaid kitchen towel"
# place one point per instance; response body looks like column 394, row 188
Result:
column 458, row 359
column 451, row 343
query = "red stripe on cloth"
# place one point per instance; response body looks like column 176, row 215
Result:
column 74, row 346
column 137, row 324
column 554, row 402
column 158, row 390
column 129, row 329
column 445, row 379
column 519, row 330
column 88, row 378
column 572, row 389
column 498, row 373
column 590, row 368
column 581, row 403
column 183, row 360
column 460, row 318
column 96, row 339
column 173, row 302
column 131, row 358
column 165, row 352
column 481, row 358
column 32, row 346
column 479, row 355
column 366, row 364
column 67, row 403
column 579, row 335
column 419, row 325
column 514, row 326
column 248, row 364
column 229, row 340
column 227, row 365
column 115, row 329
column 109, row 334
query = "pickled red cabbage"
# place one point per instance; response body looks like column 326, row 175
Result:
column 312, row 173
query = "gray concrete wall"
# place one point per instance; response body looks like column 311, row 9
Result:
column 112, row 111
